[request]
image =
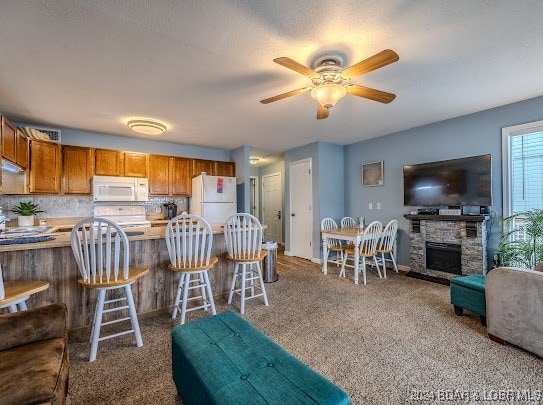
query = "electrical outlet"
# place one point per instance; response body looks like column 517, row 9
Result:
column 370, row 206
column 378, row 206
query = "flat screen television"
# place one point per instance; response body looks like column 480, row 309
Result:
column 457, row 182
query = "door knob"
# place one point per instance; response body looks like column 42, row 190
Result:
column 278, row 214
column 292, row 215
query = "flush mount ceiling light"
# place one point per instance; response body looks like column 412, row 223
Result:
column 254, row 161
column 147, row 126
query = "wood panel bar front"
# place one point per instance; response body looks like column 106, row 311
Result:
column 152, row 292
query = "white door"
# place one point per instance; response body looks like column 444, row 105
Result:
column 301, row 210
column 272, row 205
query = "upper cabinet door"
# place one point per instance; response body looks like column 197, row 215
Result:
column 108, row 162
column 77, row 170
column 180, row 176
column 201, row 165
column 44, row 171
column 159, row 175
column 136, row 164
column 22, row 150
column 9, row 141
column 227, row 169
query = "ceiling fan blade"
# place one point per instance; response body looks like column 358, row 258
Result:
column 322, row 112
column 372, row 94
column 297, row 67
column 377, row 61
column 285, row 95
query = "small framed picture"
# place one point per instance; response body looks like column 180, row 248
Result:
column 372, row 174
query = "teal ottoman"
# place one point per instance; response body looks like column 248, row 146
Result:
column 468, row 292
column 223, row 359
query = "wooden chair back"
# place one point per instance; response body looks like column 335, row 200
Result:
column 189, row 239
column 388, row 236
column 243, row 236
column 370, row 238
column 101, row 250
column 348, row 222
column 328, row 224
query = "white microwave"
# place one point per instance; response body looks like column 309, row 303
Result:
column 110, row 188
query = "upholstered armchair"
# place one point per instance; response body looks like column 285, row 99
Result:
column 514, row 305
column 34, row 356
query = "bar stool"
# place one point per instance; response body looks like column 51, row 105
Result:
column 189, row 240
column 102, row 255
column 243, row 236
column 13, row 294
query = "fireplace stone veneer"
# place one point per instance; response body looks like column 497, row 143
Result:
column 470, row 232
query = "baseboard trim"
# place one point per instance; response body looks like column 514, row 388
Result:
column 403, row 268
column 287, row 253
column 318, row 261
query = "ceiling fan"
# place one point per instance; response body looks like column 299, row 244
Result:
column 328, row 78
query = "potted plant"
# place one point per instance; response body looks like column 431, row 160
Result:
column 522, row 243
column 27, row 211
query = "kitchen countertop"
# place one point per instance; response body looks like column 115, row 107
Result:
column 63, row 238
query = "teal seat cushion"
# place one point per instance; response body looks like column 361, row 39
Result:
column 473, row 281
column 223, row 359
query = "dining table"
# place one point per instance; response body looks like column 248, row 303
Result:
column 353, row 235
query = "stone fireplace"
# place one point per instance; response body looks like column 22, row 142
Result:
column 446, row 246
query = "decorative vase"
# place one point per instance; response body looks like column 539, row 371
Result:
column 25, row 220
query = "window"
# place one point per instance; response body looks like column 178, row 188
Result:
column 522, row 147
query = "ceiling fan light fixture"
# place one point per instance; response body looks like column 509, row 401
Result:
column 147, row 126
column 328, row 94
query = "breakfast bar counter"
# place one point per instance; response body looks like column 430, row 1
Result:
column 53, row 261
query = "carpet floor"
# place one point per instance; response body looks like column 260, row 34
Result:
column 389, row 342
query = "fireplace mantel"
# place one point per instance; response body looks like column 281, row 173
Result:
column 468, row 231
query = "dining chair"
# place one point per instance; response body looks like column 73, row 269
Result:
column 348, row 222
column 386, row 245
column 367, row 248
column 14, row 294
column 102, row 254
column 243, row 236
column 334, row 245
column 189, row 239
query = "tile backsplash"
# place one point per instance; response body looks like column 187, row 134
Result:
column 80, row 206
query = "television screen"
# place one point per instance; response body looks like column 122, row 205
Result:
column 456, row 182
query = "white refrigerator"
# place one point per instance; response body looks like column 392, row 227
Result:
column 213, row 198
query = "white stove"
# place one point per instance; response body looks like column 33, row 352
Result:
column 126, row 216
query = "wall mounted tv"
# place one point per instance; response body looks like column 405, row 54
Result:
column 456, row 182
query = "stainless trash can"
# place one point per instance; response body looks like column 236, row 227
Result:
column 270, row 262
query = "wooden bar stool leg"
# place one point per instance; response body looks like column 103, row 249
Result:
column 252, row 272
column 209, row 293
column 384, row 265
column 236, row 269
column 262, row 283
column 364, row 268
column 243, row 277
column 133, row 314
column 178, row 296
column 186, row 286
column 96, row 330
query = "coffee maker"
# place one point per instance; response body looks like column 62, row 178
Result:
column 170, row 210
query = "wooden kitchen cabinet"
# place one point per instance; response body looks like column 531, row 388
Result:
column 227, row 169
column 77, row 169
column 108, row 162
column 22, row 150
column 180, row 178
column 136, row 164
column 159, row 175
column 44, row 173
column 9, row 140
column 201, row 165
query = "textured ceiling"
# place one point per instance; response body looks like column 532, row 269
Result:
column 202, row 66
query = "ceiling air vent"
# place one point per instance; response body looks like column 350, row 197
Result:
column 54, row 134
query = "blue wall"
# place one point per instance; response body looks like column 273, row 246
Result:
column 97, row 140
column 474, row 134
